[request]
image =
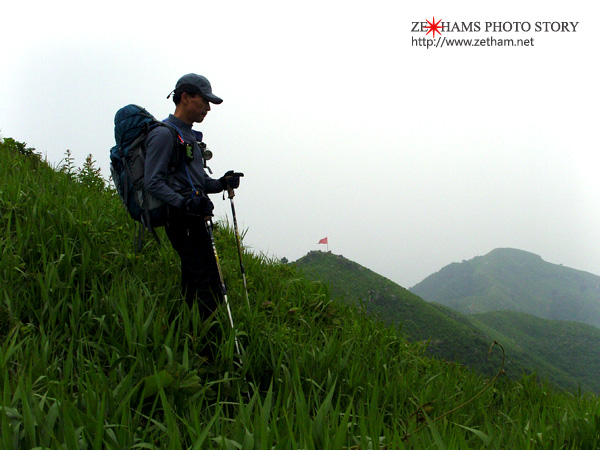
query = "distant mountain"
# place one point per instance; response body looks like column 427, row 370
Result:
column 566, row 353
column 515, row 280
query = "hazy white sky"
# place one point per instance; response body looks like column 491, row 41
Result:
column 406, row 158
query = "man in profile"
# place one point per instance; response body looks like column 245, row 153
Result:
column 185, row 188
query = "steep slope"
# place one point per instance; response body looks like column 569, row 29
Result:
column 509, row 279
column 98, row 350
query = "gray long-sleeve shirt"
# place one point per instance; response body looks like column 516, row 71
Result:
column 160, row 146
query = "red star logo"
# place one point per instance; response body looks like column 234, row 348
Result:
column 434, row 27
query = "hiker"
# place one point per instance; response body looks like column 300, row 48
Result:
column 185, row 190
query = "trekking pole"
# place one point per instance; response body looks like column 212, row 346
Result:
column 209, row 228
column 231, row 193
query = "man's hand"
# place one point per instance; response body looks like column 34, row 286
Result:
column 199, row 206
column 231, row 180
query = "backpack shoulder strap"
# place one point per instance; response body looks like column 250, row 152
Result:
column 175, row 160
column 176, row 155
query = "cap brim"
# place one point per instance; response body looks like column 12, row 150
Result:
column 212, row 98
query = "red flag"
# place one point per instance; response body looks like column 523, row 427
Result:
column 323, row 241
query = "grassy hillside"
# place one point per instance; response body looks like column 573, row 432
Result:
column 98, row 351
column 509, row 279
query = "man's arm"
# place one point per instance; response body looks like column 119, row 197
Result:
column 213, row 186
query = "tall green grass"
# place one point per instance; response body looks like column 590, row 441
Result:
column 98, row 350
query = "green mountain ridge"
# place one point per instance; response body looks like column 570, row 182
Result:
column 516, row 280
column 533, row 344
column 447, row 332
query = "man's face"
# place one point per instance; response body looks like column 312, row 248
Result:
column 197, row 107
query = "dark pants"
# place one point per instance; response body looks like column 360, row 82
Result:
column 199, row 273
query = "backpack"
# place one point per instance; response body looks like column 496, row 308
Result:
column 127, row 163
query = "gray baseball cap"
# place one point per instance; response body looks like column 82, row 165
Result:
column 197, row 84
